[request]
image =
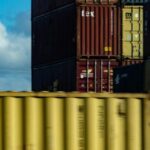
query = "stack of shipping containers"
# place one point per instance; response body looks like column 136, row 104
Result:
column 135, row 78
column 77, row 44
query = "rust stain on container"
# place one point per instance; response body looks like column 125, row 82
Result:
column 98, row 30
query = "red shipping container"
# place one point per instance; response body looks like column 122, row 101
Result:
column 98, row 31
column 96, row 1
column 95, row 75
column 76, row 75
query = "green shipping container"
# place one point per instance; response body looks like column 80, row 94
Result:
column 132, row 32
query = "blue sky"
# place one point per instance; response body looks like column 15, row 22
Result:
column 15, row 45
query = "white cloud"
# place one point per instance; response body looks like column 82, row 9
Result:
column 15, row 60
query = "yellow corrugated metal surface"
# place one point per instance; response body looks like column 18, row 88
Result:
column 55, row 123
column 74, row 121
column 132, row 31
column 75, row 124
column 13, row 123
column 116, row 131
column 96, row 124
column 146, row 117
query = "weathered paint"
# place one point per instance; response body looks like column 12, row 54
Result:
column 119, row 121
column 132, row 32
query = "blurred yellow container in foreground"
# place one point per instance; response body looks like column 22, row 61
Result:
column 74, row 121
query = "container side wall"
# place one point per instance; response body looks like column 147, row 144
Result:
column 95, row 75
column 98, row 31
column 53, row 36
column 132, row 32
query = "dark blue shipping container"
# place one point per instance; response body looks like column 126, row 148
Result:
column 53, row 36
column 132, row 78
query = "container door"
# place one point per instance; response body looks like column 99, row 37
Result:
column 132, row 32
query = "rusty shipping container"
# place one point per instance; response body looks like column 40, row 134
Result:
column 98, row 30
column 53, row 36
column 87, row 121
column 75, row 75
column 79, row 2
column 41, row 7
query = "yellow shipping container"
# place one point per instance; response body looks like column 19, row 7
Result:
column 74, row 121
column 132, row 32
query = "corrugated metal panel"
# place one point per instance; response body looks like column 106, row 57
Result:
column 132, row 32
column 96, row 124
column 52, row 38
column 12, row 123
column 54, row 124
column 121, row 121
column 134, row 124
column 116, row 127
column 98, row 30
column 95, row 75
